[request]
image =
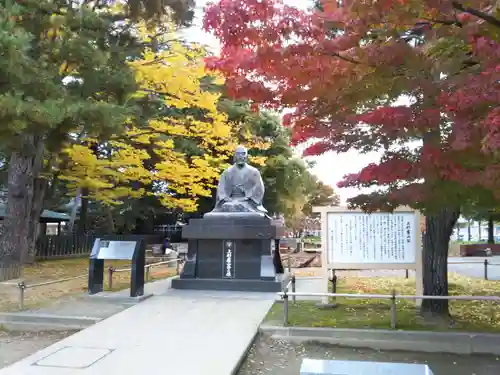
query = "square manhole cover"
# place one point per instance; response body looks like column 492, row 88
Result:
column 73, row 357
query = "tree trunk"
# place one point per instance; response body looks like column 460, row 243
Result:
column 479, row 230
column 438, row 230
column 24, row 168
column 110, row 220
column 39, row 189
column 83, row 217
column 83, row 223
column 491, row 230
column 144, row 225
column 74, row 210
column 469, row 231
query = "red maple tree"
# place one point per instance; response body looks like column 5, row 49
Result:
column 346, row 66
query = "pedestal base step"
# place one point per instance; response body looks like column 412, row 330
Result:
column 228, row 284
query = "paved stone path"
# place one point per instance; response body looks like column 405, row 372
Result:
column 189, row 332
column 464, row 266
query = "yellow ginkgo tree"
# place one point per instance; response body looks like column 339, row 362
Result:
column 175, row 155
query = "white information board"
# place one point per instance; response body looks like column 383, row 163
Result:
column 116, row 250
column 356, row 237
column 356, row 240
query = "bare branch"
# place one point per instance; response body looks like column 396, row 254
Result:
column 345, row 58
column 454, row 22
column 484, row 16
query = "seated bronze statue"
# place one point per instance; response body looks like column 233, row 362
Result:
column 240, row 188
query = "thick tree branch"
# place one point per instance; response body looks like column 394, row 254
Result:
column 348, row 59
column 157, row 60
column 454, row 22
column 484, row 16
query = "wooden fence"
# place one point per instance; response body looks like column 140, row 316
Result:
column 68, row 246
column 10, row 270
column 174, row 232
column 63, row 246
column 73, row 245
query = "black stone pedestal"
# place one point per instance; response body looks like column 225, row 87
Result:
column 231, row 251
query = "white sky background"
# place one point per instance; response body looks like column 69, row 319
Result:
column 330, row 167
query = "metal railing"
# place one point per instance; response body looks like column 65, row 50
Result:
column 485, row 264
column 393, row 297
column 147, row 268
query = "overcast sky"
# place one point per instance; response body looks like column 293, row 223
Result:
column 330, row 167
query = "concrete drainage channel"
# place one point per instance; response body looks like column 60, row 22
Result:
column 378, row 339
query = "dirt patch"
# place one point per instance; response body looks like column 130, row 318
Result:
column 302, row 259
column 18, row 345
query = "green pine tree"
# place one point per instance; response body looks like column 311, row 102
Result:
column 63, row 74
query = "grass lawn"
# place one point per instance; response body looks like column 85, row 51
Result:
column 360, row 313
column 312, row 240
column 477, row 242
column 66, row 268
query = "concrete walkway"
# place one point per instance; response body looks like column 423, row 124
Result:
column 180, row 332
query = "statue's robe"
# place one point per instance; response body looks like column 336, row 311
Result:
column 240, row 189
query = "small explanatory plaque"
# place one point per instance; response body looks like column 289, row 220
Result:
column 114, row 250
column 371, row 238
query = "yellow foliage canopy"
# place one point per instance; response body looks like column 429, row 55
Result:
column 152, row 154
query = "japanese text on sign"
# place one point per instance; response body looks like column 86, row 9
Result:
column 355, row 237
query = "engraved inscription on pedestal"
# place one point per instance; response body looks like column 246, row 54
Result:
column 228, row 251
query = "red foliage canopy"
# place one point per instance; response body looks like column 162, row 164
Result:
column 347, row 71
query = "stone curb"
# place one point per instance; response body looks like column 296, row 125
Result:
column 379, row 339
column 45, row 322
column 119, row 299
column 244, row 354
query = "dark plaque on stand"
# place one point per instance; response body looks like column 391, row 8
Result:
column 117, row 248
column 230, row 248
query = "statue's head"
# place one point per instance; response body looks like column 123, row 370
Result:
column 240, row 156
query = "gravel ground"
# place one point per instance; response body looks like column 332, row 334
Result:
column 277, row 357
column 17, row 345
